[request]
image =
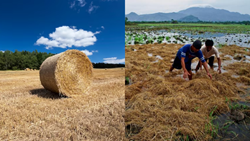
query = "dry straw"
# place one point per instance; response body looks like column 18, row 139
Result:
column 68, row 73
column 162, row 106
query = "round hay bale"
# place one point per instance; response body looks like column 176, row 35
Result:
column 68, row 73
column 27, row 69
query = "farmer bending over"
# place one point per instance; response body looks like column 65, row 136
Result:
column 184, row 58
column 208, row 51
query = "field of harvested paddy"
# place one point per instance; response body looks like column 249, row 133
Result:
column 163, row 106
column 29, row 112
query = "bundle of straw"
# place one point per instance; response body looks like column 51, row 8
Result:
column 68, row 73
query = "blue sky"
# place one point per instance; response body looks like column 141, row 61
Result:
column 95, row 27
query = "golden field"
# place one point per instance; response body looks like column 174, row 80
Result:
column 30, row 112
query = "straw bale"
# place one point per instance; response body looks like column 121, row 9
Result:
column 27, row 69
column 68, row 73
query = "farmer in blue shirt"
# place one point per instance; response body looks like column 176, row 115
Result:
column 184, row 58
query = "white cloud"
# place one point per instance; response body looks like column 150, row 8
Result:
column 201, row 5
column 113, row 60
column 66, row 36
column 109, row 0
column 102, row 27
column 92, row 7
column 72, row 4
column 97, row 32
column 89, row 53
column 82, row 3
column 2, row 51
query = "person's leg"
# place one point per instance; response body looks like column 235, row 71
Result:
column 211, row 62
column 171, row 68
column 176, row 64
column 188, row 67
column 190, row 76
column 198, row 66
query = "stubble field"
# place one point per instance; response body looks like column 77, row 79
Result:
column 30, row 112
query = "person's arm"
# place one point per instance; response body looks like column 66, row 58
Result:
column 204, row 63
column 218, row 58
column 206, row 68
column 219, row 65
column 203, row 48
column 199, row 66
column 186, row 73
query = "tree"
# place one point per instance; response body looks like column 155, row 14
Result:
column 8, row 59
column 2, row 63
column 174, row 21
column 18, row 60
column 126, row 20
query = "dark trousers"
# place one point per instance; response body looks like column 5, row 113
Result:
column 210, row 63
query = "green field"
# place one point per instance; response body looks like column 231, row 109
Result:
column 193, row 27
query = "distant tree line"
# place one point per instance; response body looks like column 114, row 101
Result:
column 127, row 22
column 208, row 22
column 104, row 65
column 21, row 60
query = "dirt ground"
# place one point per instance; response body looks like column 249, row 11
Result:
column 30, row 112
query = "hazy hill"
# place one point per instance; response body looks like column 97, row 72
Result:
column 189, row 18
column 192, row 14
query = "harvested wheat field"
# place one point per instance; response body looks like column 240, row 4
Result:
column 30, row 112
column 163, row 106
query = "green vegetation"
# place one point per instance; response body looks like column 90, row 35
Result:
column 104, row 65
column 221, row 45
column 21, row 60
column 210, row 128
column 33, row 60
column 192, row 27
column 126, row 80
column 236, row 106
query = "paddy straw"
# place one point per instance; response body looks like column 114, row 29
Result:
column 162, row 105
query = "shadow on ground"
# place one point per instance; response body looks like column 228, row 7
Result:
column 45, row 94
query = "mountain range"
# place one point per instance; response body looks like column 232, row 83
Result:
column 192, row 14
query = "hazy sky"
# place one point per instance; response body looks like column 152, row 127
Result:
column 166, row 6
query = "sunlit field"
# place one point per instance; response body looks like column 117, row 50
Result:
column 30, row 112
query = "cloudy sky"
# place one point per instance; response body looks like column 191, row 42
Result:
column 166, row 6
column 95, row 27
